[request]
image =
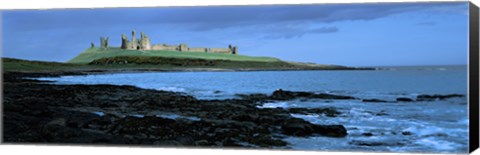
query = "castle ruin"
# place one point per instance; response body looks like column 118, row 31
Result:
column 143, row 43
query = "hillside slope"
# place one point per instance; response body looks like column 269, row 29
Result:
column 12, row 64
column 96, row 53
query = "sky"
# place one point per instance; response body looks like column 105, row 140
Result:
column 363, row 34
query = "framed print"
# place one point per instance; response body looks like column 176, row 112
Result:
column 356, row 77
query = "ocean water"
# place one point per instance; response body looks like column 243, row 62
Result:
column 439, row 126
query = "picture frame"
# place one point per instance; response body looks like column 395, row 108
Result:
column 208, row 59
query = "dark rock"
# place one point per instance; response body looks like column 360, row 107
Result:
column 404, row 99
column 406, row 133
column 331, row 130
column 245, row 117
column 331, row 96
column 437, row 96
column 45, row 113
column 253, row 97
column 289, row 95
column 439, row 135
column 381, row 113
column 330, row 112
column 368, row 134
column 299, row 127
column 366, row 143
column 202, row 142
column 283, row 95
column 265, row 140
column 374, row 100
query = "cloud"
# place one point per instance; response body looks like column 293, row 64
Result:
column 288, row 33
column 28, row 30
column 218, row 17
column 326, row 13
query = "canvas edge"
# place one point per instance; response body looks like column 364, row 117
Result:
column 473, row 77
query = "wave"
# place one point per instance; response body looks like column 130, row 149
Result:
column 275, row 105
column 173, row 89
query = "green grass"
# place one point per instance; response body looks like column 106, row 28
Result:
column 155, row 63
column 10, row 64
column 96, row 53
column 115, row 58
column 189, row 63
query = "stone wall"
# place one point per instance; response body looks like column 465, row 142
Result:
column 220, row 50
column 165, row 47
column 197, row 49
column 144, row 44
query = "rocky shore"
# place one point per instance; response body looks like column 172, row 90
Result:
column 36, row 112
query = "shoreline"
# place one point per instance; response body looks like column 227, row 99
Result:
column 161, row 65
column 146, row 70
column 36, row 112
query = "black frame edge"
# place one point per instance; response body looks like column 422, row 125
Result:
column 473, row 77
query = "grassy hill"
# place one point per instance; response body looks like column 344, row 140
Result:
column 116, row 59
column 11, row 64
column 96, row 53
column 152, row 63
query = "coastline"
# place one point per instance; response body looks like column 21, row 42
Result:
column 177, row 65
column 35, row 112
column 50, row 73
column 38, row 112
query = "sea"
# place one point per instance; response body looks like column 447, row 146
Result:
column 439, row 126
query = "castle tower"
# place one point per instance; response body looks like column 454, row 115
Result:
column 230, row 47
column 145, row 42
column 235, row 50
column 104, row 42
column 125, row 42
column 134, row 44
column 183, row 47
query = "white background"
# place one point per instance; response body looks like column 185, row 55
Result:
column 89, row 150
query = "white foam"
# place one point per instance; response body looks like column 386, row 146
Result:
column 425, row 130
column 309, row 116
column 274, row 105
column 173, row 89
column 99, row 113
column 137, row 115
column 437, row 144
column 175, row 116
column 312, row 118
column 359, row 112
